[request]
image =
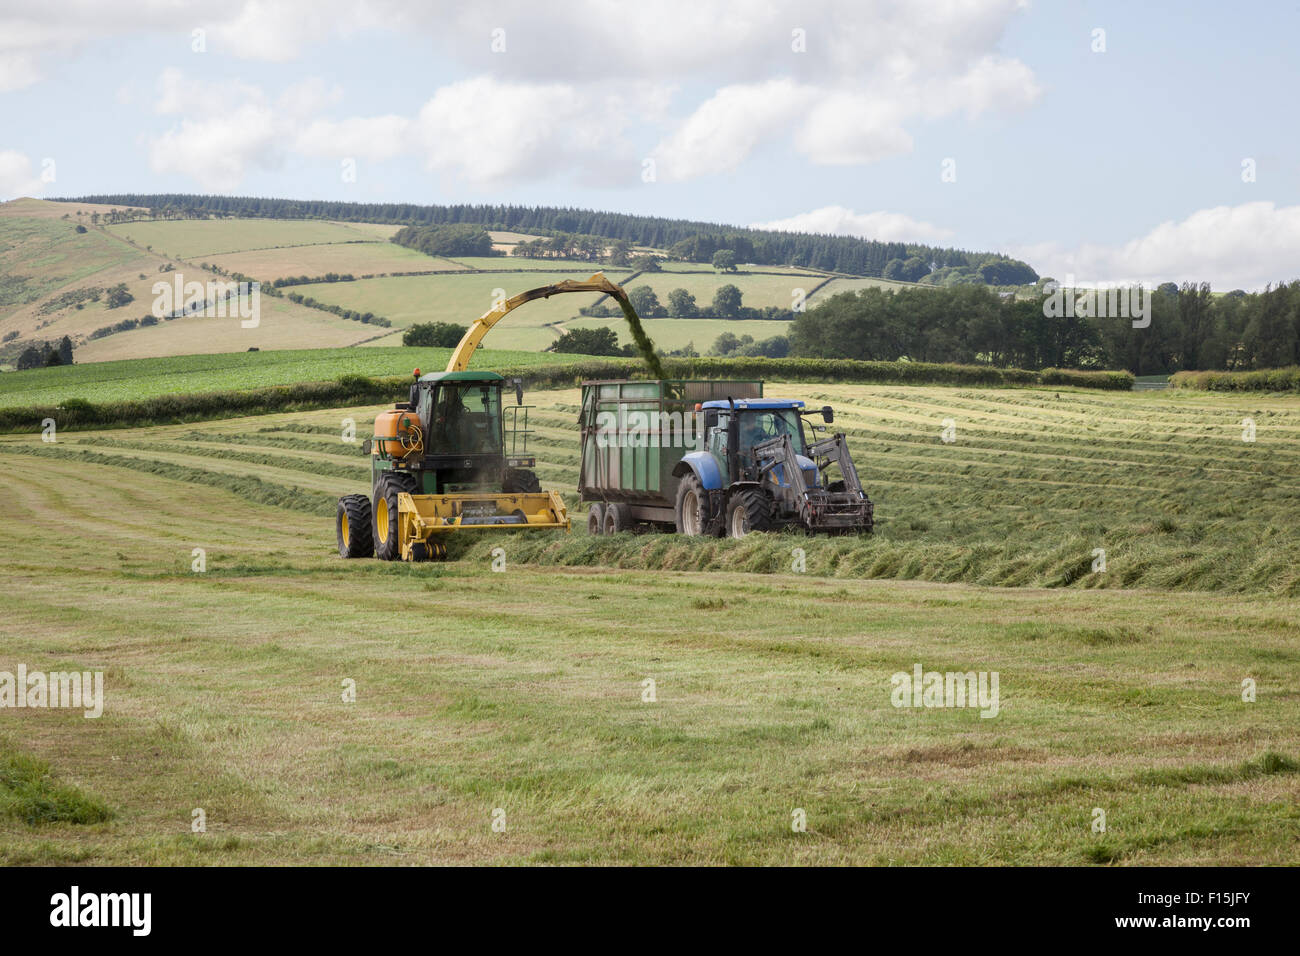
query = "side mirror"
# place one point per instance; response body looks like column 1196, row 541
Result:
column 366, row 446
column 828, row 414
column 519, row 391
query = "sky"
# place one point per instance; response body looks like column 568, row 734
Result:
column 1104, row 141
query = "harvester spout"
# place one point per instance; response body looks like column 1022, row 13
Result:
column 459, row 361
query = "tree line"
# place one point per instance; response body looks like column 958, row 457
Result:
column 691, row 240
column 1188, row 328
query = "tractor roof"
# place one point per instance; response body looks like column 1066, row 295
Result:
column 756, row 403
column 462, row 377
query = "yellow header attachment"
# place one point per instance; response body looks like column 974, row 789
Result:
column 459, row 361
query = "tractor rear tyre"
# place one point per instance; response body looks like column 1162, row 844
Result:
column 748, row 510
column 596, row 518
column 692, row 506
column 353, row 529
column 520, row 481
column 387, row 544
column 618, row 518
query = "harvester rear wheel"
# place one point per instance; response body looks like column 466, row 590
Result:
column 520, row 481
column 748, row 510
column 352, row 527
column 387, row 544
column 617, row 518
column 596, row 518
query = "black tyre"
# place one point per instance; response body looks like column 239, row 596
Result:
column 596, row 518
column 692, row 507
column 748, row 510
column 352, row 527
column 520, row 481
column 617, row 518
column 388, row 547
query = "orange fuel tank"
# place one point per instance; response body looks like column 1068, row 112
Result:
column 397, row 434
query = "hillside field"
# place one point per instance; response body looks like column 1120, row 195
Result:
column 522, row 691
column 45, row 264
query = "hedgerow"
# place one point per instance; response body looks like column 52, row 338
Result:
column 361, row 390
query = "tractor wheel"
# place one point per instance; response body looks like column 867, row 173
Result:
column 692, row 506
column 596, row 518
column 385, row 523
column 352, row 527
column 617, row 518
column 520, row 481
column 749, row 510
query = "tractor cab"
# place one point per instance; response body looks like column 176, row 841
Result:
column 746, row 426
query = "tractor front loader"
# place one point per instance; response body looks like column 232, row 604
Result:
column 453, row 456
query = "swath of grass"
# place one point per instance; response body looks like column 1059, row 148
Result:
column 29, row 792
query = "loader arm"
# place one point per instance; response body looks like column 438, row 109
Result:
column 459, row 361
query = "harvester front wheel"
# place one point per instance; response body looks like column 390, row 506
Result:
column 596, row 518
column 520, row 481
column 388, row 546
column 352, row 527
column 748, row 510
column 692, row 507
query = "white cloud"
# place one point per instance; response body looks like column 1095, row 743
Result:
column 217, row 151
column 839, row 221
column 879, row 68
column 375, row 138
column 1245, row 246
column 728, row 126
column 181, row 94
column 577, row 78
column 17, row 70
column 489, row 131
column 16, row 176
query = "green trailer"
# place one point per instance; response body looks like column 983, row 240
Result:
column 634, row 434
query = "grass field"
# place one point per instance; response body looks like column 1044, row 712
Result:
column 145, row 378
column 353, row 258
column 522, row 691
column 42, row 257
column 462, row 298
column 194, row 238
column 54, row 259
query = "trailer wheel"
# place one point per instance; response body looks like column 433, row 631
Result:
column 692, row 507
column 617, row 518
column 749, row 510
column 596, row 518
column 352, row 527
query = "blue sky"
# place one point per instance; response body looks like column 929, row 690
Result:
column 1122, row 164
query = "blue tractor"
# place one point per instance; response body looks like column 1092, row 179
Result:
column 758, row 471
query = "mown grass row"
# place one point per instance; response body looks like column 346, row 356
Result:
column 247, row 487
column 359, row 389
column 1260, row 380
